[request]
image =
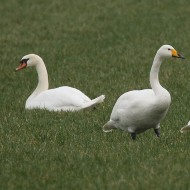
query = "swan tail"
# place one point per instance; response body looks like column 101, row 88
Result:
column 94, row 102
column 185, row 129
column 108, row 127
column 99, row 99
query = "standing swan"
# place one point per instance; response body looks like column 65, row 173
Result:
column 139, row 110
column 58, row 99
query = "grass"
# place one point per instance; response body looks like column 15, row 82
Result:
column 100, row 47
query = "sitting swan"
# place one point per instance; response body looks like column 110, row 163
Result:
column 138, row 110
column 59, row 99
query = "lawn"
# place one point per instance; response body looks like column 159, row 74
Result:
column 100, row 47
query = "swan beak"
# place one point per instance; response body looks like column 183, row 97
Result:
column 21, row 66
column 176, row 54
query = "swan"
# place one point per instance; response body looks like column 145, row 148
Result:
column 64, row 98
column 138, row 110
column 185, row 128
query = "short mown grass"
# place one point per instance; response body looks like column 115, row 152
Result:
column 100, row 47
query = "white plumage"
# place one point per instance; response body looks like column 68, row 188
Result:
column 139, row 110
column 58, row 99
column 185, row 128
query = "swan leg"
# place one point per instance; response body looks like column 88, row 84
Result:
column 157, row 131
column 133, row 136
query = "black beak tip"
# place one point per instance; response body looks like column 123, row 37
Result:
column 181, row 56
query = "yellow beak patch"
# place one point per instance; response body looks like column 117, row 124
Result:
column 174, row 53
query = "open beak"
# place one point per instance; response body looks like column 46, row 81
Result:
column 176, row 54
column 21, row 66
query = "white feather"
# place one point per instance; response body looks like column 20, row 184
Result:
column 185, row 128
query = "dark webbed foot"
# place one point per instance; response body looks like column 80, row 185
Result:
column 157, row 131
column 133, row 136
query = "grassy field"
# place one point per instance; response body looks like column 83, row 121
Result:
column 100, row 47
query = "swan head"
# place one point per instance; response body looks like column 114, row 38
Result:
column 28, row 61
column 167, row 51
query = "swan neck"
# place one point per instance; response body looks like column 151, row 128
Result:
column 42, row 77
column 154, row 79
column 42, row 80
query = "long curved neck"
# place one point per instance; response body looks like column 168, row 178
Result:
column 43, row 83
column 154, row 80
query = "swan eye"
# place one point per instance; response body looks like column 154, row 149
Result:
column 169, row 49
column 24, row 60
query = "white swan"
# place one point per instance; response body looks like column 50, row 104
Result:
column 139, row 110
column 59, row 99
column 185, row 128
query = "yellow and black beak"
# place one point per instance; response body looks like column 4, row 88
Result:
column 176, row 54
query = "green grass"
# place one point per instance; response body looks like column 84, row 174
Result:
column 100, row 47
